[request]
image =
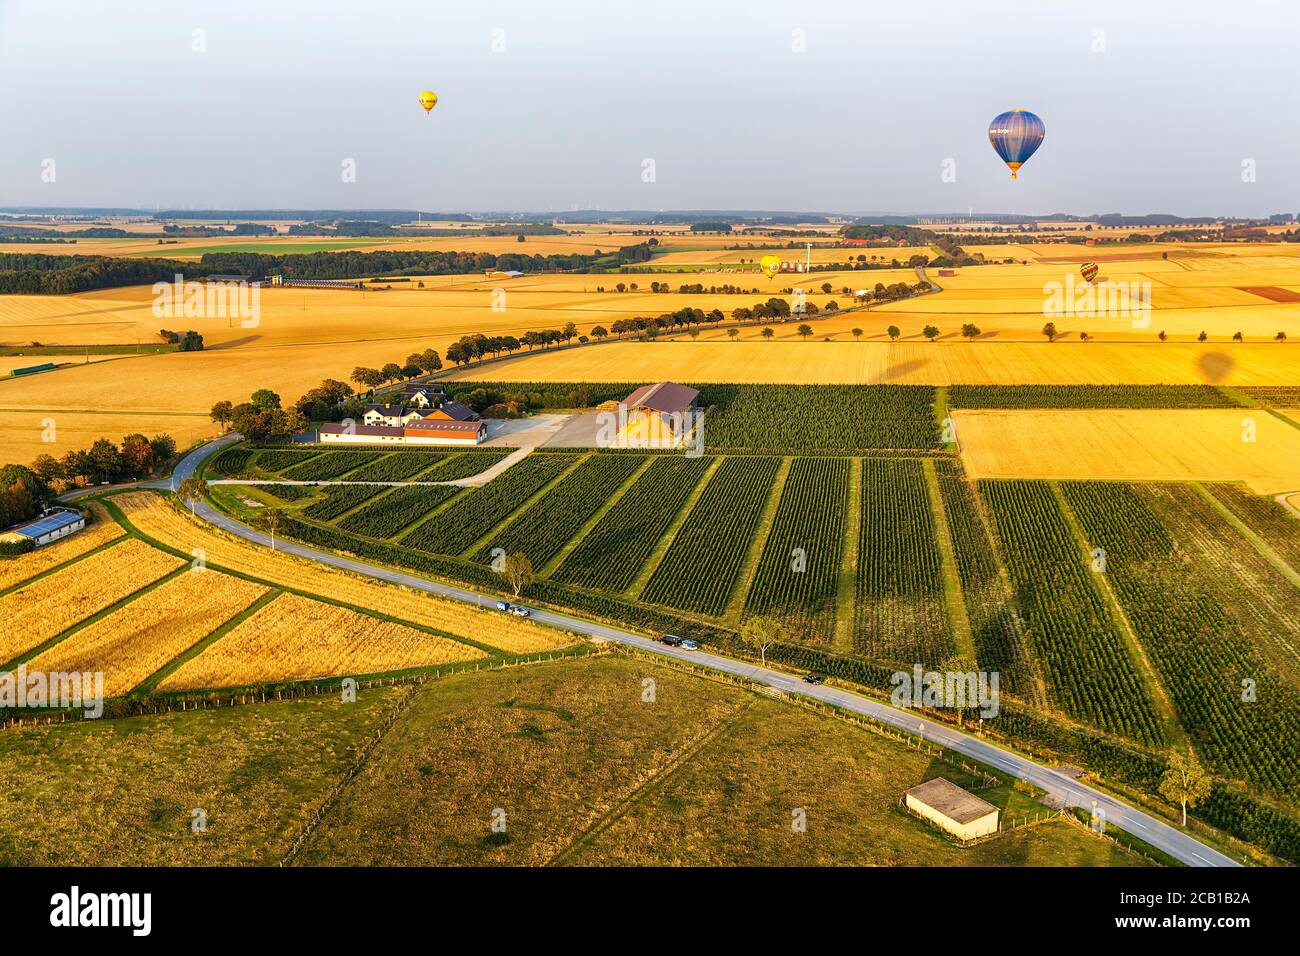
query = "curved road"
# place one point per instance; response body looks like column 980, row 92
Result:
column 1175, row 842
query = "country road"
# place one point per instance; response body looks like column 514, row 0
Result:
column 1156, row 832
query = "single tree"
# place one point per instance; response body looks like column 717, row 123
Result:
column 1084, row 337
column 518, row 572
column 1238, row 337
column 1050, row 331
column 767, row 332
column 1163, row 336
column 893, row 332
column 857, row 334
column 1184, row 783
column 265, row 399
column 930, row 332
column 1280, row 337
column 970, row 330
column 733, row 334
column 221, row 413
column 761, row 633
column 1202, row 337
column 804, row 332
column 599, row 332
column 271, row 520
column 192, row 490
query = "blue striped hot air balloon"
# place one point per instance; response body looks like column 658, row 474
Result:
column 1016, row 135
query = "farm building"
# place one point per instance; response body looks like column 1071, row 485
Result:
column 391, row 415
column 958, row 811
column 454, row 412
column 503, row 273
column 49, row 527
column 657, row 414
column 419, row 432
column 416, row 395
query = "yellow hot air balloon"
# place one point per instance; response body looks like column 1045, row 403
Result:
column 771, row 265
column 428, row 99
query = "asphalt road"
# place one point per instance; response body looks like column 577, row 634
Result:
column 1156, row 832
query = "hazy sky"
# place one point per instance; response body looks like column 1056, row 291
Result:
column 1150, row 105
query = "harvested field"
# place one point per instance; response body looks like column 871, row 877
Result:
column 1132, row 445
column 154, row 516
column 140, row 637
column 296, row 638
column 46, row 608
column 103, row 529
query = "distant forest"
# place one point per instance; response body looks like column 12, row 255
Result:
column 42, row 274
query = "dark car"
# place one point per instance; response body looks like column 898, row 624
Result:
column 672, row 640
column 814, row 679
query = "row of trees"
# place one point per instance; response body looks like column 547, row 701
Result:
column 263, row 416
column 470, row 348
column 135, row 457
column 417, row 363
column 190, row 341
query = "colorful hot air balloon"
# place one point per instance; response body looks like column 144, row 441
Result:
column 1089, row 271
column 771, row 265
column 428, row 99
column 1015, row 136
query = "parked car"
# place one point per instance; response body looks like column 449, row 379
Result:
column 520, row 611
column 672, row 640
column 503, row 606
column 689, row 646
column 814, row 679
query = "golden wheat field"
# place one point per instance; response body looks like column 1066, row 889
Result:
column 1133, row 445
column 99, row 531
column 909, row 363
column 47, row 607
column 155, row 517
column 24, row 434
column 137, row 639
column 295, row 638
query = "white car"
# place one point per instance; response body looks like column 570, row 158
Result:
column 502, row 606
column 520, row 610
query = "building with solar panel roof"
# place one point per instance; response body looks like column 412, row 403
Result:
column 50, row 527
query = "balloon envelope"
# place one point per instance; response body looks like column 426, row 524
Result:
column 1089, row 271
column 428, row 99
column 1016, row 136
column 771, row 265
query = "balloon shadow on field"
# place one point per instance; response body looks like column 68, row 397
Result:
column 900, row 370
column 1214, row 366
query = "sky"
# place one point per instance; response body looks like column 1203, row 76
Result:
column 1150, row 105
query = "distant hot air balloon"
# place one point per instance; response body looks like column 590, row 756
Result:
column 1015, row 136
column 428, row 99
column 771, row 265
column 1089, row 271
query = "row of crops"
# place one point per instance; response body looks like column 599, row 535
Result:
column 275, row 460
column 798, row 574
column 328, row 466
column 545, row 528
column 1089, row 671
column 615, row 551
column 900, row 614
column 1277, row 396
column 456, row 529
column 338, row 500
column 702, row 565
column 232, row 461
column 804, row 418
column 1265, row 517
column 387, row 515
column 996, row 628
column 1088, row 396
column 1203, row 657
column 399, row 466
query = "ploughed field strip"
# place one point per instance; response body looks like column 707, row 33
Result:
column 548, row 525
column 1197, row 641
column 702, row 565
column 615, row 551
column 798, row 572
